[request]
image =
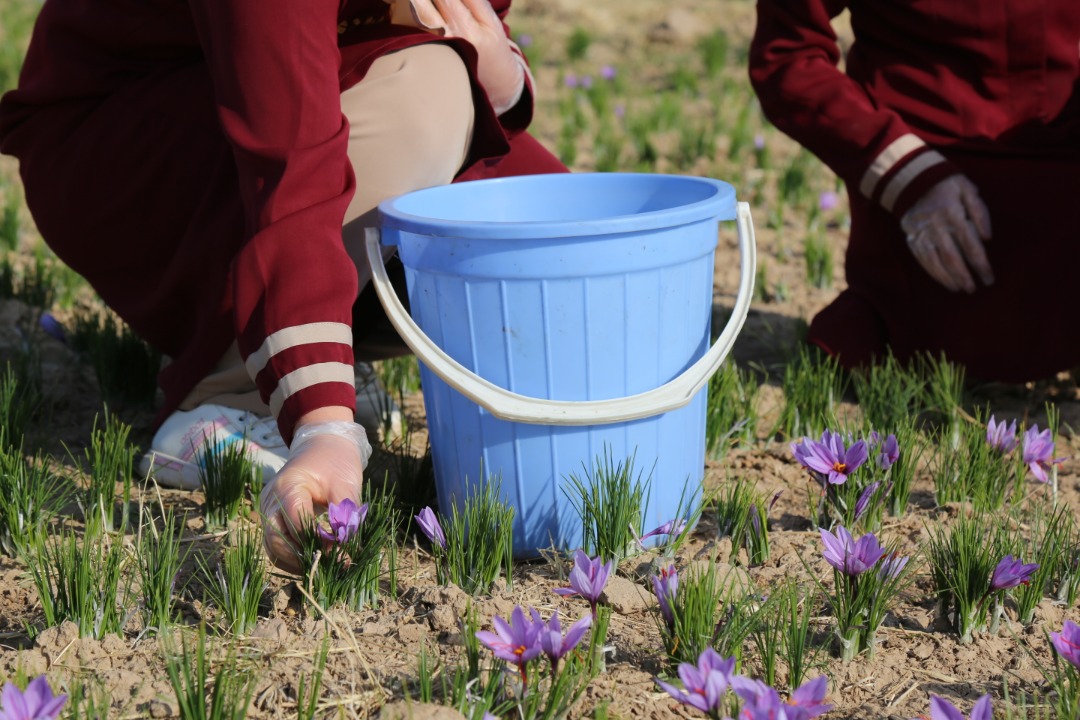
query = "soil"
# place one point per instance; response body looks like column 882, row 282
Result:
column 373, row 657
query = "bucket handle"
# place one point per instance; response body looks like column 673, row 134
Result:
column 511, row 406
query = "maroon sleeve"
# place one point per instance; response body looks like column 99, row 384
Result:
column 793, row 68
column 274, row 66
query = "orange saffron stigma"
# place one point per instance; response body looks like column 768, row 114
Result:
column 519, row 650
column 839, row 467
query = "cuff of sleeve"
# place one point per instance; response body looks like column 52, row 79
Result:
column 313, row 397
column 902, row 172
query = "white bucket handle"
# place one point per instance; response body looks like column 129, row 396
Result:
column 511, row 406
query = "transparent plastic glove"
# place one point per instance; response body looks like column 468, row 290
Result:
column 946, row 229
column 500, row 71
column 326, row 465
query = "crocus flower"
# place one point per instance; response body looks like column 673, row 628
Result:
column 37, row 703
column 517, row 642
column 849, row 556
column 941, row 709
column 888, row 452
column 1067, row 642
column 1000, row 436
column 429, row 523
column 588, row 578
column 828, row 200
column 524, row 40
column 345, row 519
column 1039, row 451
column 829, row 459
column 704, row 684
column 570, row 80
column 608, row 72
column 552, row 641
column 892, row 566
column 761, row 702
column 1010, row 572
column 586, row 81
column 673, row 528
column 665, row 585
column 759, row 142
column 863, row 502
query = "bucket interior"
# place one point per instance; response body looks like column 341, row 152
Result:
column 562, row 205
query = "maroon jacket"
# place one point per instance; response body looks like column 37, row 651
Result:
column 189, row 158
column 990, row 77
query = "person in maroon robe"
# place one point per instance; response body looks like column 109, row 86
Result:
column 956, row 129
column 209, row 167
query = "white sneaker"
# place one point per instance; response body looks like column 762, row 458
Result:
column 375, row 408
column 177, row 450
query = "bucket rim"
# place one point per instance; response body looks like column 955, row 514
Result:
column 720, row 205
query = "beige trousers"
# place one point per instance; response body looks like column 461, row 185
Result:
column 410, row 125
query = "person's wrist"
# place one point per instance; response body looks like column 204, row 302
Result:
column 335, row 413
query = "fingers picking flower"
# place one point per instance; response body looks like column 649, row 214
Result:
column 36, row 703
column 1010, row 572
column 345, row 520
column 429, row 523
column 1067, row 642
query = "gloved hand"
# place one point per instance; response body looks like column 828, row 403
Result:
column 946, row 229
column 326, row 465
column 500, row 71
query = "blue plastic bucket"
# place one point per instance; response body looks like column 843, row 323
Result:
column 560, row 319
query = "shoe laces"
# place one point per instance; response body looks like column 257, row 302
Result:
column 262, row 429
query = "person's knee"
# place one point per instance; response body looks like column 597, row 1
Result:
column 436, row 109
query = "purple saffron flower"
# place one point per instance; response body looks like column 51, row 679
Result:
column 588, row 578
column 665, row 585
column 52, row 327
column 759, row 142
column 1000, row 436
column 429, row 523
column 1039, row 451
column 586, row 81
column 37, row 703
column 570, row 80
column 704, row 684
column 888, row 452
column 608, row 72
column 1010, row 572
column 345, row 519
column 674, row 528
column 517, row 642
column 829, row 458
column 524, row 40
column 942, row 709
column 892, row 566
column 849, row 556
column 620, row 110
column 864, row 498
column 1067, row 642
column 828, row 200
column 552, row 641
column 761, row 702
